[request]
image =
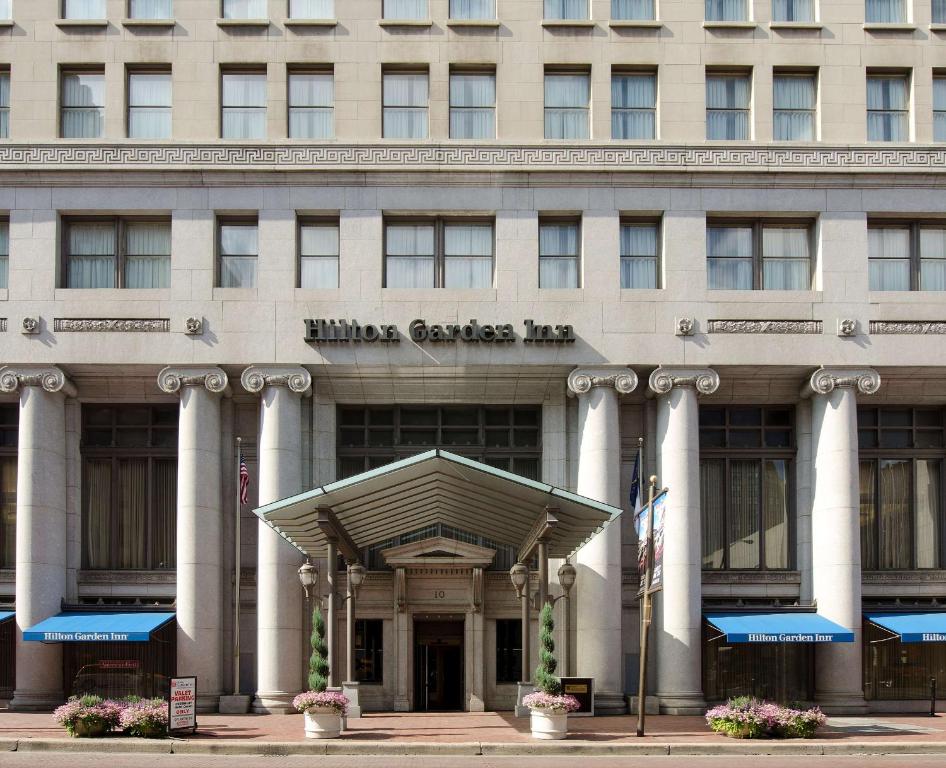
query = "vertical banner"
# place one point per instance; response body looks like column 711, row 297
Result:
column 182, row 704
column 657, row 532
column 640, row 526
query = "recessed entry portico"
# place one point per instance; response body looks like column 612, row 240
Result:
column 439, row 604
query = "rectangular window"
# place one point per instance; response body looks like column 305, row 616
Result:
column 83, row 104
column 243, row 105
column 472, row 9
column 405, row 99
column 472, row 105
column 727, row 106
column 939, row 11
column 793, row 10
column 84, row 9
column 633, row 10
column 888, row 108
column 4, row 254
column 311, row 105
column 772, row 255
column 311, row 9
column 634, row 105
column 894, row 670
column 567, row 96
column 508, row 650
column 6, row 9
column 886, row 12
column 727, row 10
column 405, row 9
column 638, row 255
column 566, row 9
column 939, row 108
column 9, row 436
column 149, row 105
column 904, row 256
column 440, row 253
column 117, row 253
column 238, row 246
column 244, row 9
column 318, row 254
column 794, row 102
column 369, row 651
column 150, row 9
column 4, row 105
column 559, row 243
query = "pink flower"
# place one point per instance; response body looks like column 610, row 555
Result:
column 560, row 704
column 329, row 699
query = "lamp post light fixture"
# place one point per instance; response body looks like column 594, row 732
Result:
column 356, row 576
column 566, row 578
column 519, row 574
column 309, row 577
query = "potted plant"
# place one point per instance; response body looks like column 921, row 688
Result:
column 548, row 706
column 88, row 716
column 323, row 710
column 147, row 718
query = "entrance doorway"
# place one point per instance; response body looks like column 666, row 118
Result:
column 438, row 665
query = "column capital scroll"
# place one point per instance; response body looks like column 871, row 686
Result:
column 582, row 380
column 704, row 380
column 295, row 377
column 49, row 377
column 173, row 378
column 825, row 380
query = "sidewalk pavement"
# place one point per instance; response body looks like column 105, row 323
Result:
column 486, row 733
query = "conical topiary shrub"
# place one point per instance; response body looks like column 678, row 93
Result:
column 545, row 679
column 318, row 661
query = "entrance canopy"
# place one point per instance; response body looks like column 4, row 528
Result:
column 928, row 627
column 437, row 486
column 103, row 627
column 783, row 627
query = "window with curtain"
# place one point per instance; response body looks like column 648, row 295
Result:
column 559, row 243
column 117, row 253
column 238, row 246
column 244, row 9
column 406, row 9
column 888, row 108
column 905, row 256
column 634, row 105
column 243, row 105
column 439, row 253
column 771, row 255
column 639, row 254
column 9, row 421
column 84, row 9
column 82, row 105
column 311, row 9
column 793, row 10
column 472, row 105
column 727, row 10
column 633, row 10
column 727, row 106
column 939, row 11
column 729, row 257
column 129, row 487
column 472, row 9
column 311, row 105
column 149, row 105
column 901, row 487
column 405, row 99
column 567, row 96
column 566, row 9
column 4, row 105
column 746, row 470
column 4, row 254
column 409, row 255
column 939, row 107
column 885, row 11
column 794, row 101
column 6, row 9
column 508, row 651
column 151, row 9
column 467, row 255
column 369, row 651
column 318, row 254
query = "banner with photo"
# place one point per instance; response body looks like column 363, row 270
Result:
column 641, row 519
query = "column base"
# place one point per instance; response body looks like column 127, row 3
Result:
column 841, row 703
column 350, row 689
column 35, row 701
column 208, row 703
column 401, row 704
column 652, row 707
column 523, row 689
column 277, row 703
column 609, row 703
column 475, row 704
column 682, row 703
column 235, row 704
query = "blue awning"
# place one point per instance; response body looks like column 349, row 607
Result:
column 785, row 627
column 100, row 627
column 927, row 627
column 4, row 615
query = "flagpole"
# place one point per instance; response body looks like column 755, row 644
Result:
column 236, row 579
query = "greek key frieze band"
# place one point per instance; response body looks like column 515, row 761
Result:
column 50, row 378
column 296, row 378
column 582, row 380
column 173, row 378
column 704, row 380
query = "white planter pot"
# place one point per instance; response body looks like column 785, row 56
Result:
column 548, row 725
column 323, row 723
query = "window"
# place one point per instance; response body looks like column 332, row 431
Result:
column 901, row 487
column 83, row 9
column 244, row 9
column 894, row 670
column 311, row 105
column 633, row 10
column 888, row 108
column 772, row 255
column 150, row 9
column 727, row 10
column 727, row 106
column 793, row 10
column 638, row 255
column 369, row 651
column 472, row 105
column 4, row 105
column 634, row 105
column 885, row 12
column 939, row 11
column 9, row 437
column 4, row 254
column 472, row 9
column 566, row 9
column 508, row 650
column 318, row 254
column 746, row 469
column 794, row 103
column 567, row 96
column 129, row 486
column 149, row 105
column 905, row 256
column 559, row 253
column 405, row 97
column 83, row 104
column 311, row 9
column 441, row 253
column 243, row 105
column 405, row 9
column 6, row 9
column 238, row 246
column 939, row 107
column 117, row 253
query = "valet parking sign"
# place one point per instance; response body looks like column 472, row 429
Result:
column 182, row 704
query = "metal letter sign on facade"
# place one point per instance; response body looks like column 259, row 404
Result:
column 182, row 704
column 346, row 331
column 657, row 532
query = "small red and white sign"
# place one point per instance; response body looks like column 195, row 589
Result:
column 182, row 704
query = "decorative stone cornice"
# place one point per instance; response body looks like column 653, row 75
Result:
column 110, row 325
column 172, row 378
column 908, row 327
column 50, row 378
column 296, row 378
column 704, row 380
column 582, row 380
column 765, row 326
column 825, row 380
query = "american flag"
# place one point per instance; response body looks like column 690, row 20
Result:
column 244, row 481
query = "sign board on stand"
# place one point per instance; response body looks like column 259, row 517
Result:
column 583, row 689
column 182, row 704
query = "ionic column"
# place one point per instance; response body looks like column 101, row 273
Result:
column 199, row 528
column 279, row 604
column 599, row 647
column 678, row 625
column 835, row 525
column 40, row 527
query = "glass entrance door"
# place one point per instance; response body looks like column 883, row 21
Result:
column 438, row 666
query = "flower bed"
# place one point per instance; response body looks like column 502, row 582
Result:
column 93, row 717
column 321, row 700
column 750, row 718
column 147, row 719
column 560, row 704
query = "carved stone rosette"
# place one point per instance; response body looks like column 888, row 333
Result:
column 172, row 378
column 704, row 380
column 582, row 380
column 50, row 378
column 825, row 380
column 296, row 378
